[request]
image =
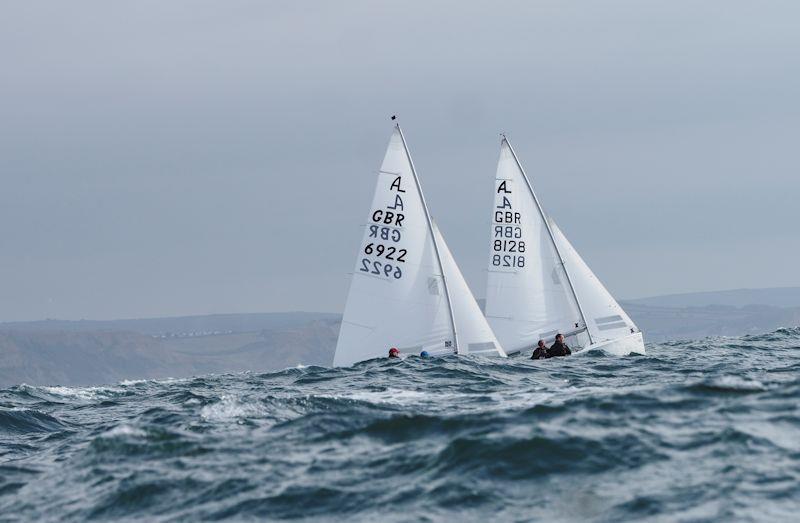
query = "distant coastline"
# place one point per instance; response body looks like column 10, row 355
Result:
column 87, row 352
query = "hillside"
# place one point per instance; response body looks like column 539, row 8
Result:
column 671, row 323
column 773, row 297
column 84, row 357
column 57, row 352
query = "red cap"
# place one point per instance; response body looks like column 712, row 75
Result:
column 393, row 350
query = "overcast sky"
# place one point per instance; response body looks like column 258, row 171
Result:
column 183, row 157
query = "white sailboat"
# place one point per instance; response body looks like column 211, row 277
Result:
column 538, row 285
column 407, row 291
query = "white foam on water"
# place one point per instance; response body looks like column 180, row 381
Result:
column 82, row 393
column 780, row 434
column 24, row 409
column 525, row 399
column 126, row 383
column 231, row 408
column 390, row 396
column 738, row 383
column 414, row 398
column 464, row 401
column 123, row 430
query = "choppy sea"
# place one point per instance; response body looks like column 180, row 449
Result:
column 704, row 430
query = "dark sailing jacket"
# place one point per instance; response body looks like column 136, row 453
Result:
column 558, row 349
column 539, row 353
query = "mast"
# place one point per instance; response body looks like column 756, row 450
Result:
column 433, row 238
column 552, row 239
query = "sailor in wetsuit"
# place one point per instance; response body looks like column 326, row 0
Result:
column 559, row 348
column 540, row 352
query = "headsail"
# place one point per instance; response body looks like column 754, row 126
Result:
column 474, row 334
column 398, row 296
column 528, row 294
column 605, row 317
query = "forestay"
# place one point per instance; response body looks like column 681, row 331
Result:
column 528, row 295
column 605, row 317
column 398, row 296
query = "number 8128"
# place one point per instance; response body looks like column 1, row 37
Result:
column 508, row 260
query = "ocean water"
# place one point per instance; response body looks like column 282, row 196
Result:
column 706, row 430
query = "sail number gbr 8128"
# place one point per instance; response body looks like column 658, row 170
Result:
column 382, row 254
column 508, row 247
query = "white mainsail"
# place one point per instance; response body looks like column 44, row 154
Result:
column 400, row 294
column 606, row 320
column 528, row 294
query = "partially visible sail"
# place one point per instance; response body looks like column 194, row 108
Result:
column 605, row 318
column 397, row 297
column 528, row 296
column 474, row 334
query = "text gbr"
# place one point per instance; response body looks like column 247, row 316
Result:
column 507, row 246
column 382, row 251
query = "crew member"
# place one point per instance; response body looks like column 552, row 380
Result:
column 540, row 352
column 559, row 348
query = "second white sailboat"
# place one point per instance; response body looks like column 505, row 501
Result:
column 538, row 285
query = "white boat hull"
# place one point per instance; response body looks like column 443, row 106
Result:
column 631, row 344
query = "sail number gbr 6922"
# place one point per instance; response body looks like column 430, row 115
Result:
column 382, row 254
